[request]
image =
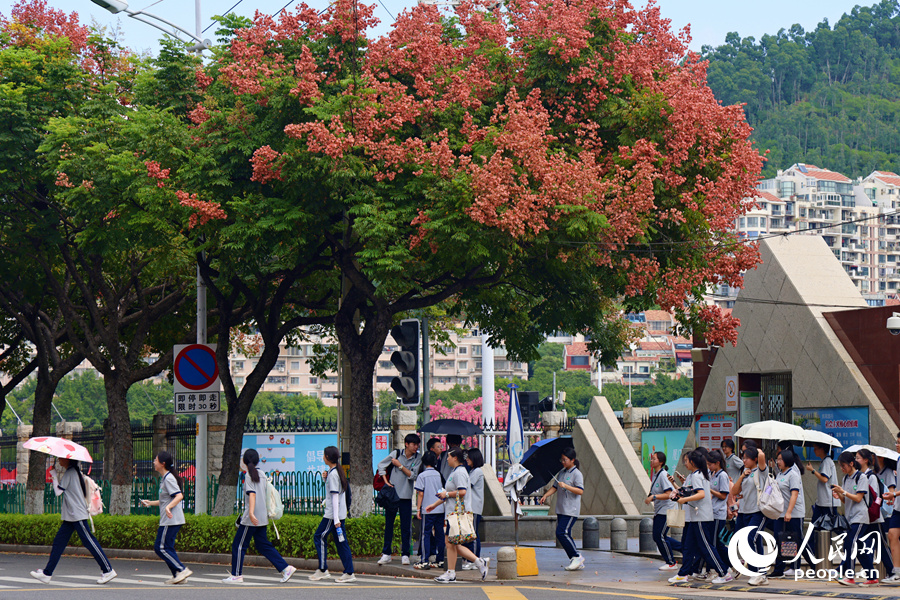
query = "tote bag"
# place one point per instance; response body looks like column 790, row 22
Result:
column 461, row 526
column 675, row 517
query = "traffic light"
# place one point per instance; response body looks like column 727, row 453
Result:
column 406, row 359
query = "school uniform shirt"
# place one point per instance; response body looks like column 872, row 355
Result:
column 444, row 466
column 873, row 481
column 259, row 489
column 429, row 483
column 660, row 485
column 719, row 482
column 824, row 497
column 567, row 503
column 698, row 511
column 733, row 466
column 334, row 492
column 787, row 482
column 403, row 485
column 458, row 481
column 74, row 506
column 856, row 512
column 749, row 493
column 888, row 478
column 475, row 497
column 168, row 489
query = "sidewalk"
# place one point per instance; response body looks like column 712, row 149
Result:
column 626, row 572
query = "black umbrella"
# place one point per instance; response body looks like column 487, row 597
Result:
column 450, row 426
column 542, row 460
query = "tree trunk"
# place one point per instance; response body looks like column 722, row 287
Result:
column 120, row 473
column 361, row 401
column 231, row 462
column 37, row 462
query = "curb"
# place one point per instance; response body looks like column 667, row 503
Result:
column 753, row 589
column 251, row 560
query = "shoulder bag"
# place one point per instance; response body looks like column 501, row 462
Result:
column 460, row 525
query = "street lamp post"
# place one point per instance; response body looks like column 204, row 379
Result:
column 118, row 6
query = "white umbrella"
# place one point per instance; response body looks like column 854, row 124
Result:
column 876, row 450
column 771, row 430
column 811, row 436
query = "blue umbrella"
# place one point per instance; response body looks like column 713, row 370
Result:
column 542, row 460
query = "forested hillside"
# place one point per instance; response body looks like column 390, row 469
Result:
column 829, row 97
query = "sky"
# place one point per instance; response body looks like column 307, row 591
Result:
column 710, row 20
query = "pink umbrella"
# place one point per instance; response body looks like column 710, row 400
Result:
column 59, row 447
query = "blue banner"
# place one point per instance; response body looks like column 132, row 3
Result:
column 287, row 452
column 849, row 425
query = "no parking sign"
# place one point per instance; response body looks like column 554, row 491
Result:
column 197, row 383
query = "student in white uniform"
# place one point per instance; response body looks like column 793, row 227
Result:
column 171, row 516
column 868, row 463
column 428, row 484
column 569, row 486
column 894, row 524
column 720, row 488
column 457, row 490
column 74, row 514
column 853, row 491
column 475, row 504
column 744, row 489
column 253, row 523
column 791, row 519
column 660, row 486
column 698, row 542
column 333, row 521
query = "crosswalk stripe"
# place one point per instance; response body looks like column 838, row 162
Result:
column 36, row 582
column 503, row 593
column 118, row 580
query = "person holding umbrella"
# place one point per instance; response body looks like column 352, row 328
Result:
column 74, row 514
column 568, row 506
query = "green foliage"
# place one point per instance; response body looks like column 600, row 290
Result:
column 664, row 390
column 201, row 533
column 828, row 97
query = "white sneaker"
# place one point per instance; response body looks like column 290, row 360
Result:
column 170, row 581
column 789, row 573
column 39, row 575
column 385, row 559
column 482, row 565
column 895, row 578
column 447, row 577
column 107, row 577
column 288, row 573
column 672, row 567
column 180, row 576
column 234, row 579
column 320, row 574
column 576, row 564
column 346, row 578
column 700, row 576
column 724, row 579
column 758, row 580
column 678, row 579
column 468, row 566
column 404, row 560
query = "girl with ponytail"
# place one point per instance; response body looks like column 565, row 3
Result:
column 253, row 524
column 171, row 516
column 569, row 485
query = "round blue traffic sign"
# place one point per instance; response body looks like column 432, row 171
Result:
column 196, row 367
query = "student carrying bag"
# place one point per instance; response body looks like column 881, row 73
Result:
column 769, row 498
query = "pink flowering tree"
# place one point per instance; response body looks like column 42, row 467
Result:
column 549, row 165
column 471, row 411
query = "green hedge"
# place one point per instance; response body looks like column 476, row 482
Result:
column 201, row 533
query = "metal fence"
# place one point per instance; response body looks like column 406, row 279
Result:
column 669, row 421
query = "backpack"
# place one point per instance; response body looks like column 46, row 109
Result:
column 377, row 481
column 874, row 501
column 769, row 498
column 274, row 505
column 93, row 498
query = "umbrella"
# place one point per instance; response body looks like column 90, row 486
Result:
column 771, row 430
column 59, row 447
column 542, row 460
column 876, row 450
column 811, row 436
column 450, row 426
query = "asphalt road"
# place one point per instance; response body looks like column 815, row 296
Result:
column 143, row 580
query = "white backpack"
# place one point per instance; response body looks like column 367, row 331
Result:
column 93, row 498
column 769, row 497
column 274, row 505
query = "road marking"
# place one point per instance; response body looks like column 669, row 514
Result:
column 627, row 595
column 118, row 580
column 496, row 592
column 35, row 581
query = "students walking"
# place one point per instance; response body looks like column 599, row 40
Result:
column 456, row 492
column 826, row 478
column 698, row 543
column 253, row 523
column 894, row 524
column 660, row 486
column 333, row 520
column 733, row 464
column 171, row 516
column 746, row 491
column 403, row 466
column 74, row 514
column 428, row 484
column 720, row 489
column 866, row 459
column 853, row 492
column 570, row 486
column 475, row 503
